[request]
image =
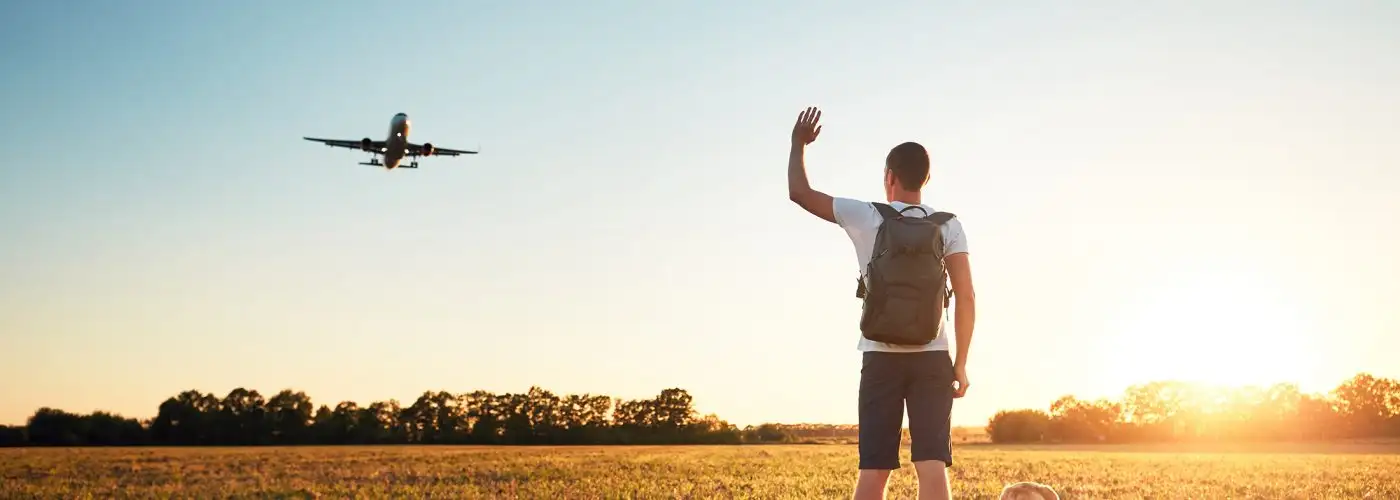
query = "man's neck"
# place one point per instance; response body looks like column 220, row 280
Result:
column 907, row 198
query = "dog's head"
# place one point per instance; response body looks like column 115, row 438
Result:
column 1027, row 490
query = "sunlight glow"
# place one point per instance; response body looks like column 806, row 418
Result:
column 1218, row 329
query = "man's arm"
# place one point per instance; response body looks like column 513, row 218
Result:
column 960, row 273
column 801, row 193
column 803, row 133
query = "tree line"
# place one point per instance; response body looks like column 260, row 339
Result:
column 245, row 417
column 1363, row 406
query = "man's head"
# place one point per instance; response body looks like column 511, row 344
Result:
column 906, row 171
column 1028, row 490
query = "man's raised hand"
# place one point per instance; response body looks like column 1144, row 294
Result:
column 806, row 129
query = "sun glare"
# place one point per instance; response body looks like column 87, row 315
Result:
column 1216, row 331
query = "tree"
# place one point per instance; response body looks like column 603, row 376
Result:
column 290, row 417
column 767, row 433
column 241, row 418
column 1367, row 404
column 1018, row 426
column 49, row 426
column 13, row 435
column 673, row 409
column 189, row 418
column 1078, row 421
column 105, row 428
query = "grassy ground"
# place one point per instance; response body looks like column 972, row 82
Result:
column 797, row 471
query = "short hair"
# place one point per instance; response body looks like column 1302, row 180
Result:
column 1027, row 490
column 909, row 163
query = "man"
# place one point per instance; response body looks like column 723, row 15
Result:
column 924, row 376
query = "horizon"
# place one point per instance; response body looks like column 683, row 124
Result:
column 1196, row 388
column 1149, row 193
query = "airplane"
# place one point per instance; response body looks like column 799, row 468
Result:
column 395, row 148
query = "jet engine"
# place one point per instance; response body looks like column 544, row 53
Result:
column 366, row 144
column 427, row 149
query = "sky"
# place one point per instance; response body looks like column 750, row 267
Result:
column 1150, row 190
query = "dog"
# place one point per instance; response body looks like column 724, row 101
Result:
column 1027, row 490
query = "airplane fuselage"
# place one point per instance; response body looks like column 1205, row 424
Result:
column 397, row 143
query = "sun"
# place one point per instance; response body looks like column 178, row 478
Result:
column 1216, row 329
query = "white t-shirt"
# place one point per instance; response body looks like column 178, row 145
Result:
column 862, row 220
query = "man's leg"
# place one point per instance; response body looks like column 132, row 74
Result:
column 881, row 416
column 871, row 484
column 930, row 413
column 933, row 480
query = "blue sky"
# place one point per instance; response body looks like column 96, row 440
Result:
column 1161, row 190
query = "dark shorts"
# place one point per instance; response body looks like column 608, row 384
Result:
column 889, row 381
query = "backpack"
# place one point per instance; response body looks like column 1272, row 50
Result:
column 905, row 285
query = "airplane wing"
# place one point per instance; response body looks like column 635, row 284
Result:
column 341, row 143
column 418, row 150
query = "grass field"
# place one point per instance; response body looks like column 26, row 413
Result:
column 787, row 471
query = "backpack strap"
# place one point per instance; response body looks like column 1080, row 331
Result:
column 942, row 218
column 886, row 211
column 939, row 217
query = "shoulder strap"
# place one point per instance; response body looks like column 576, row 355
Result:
column 886, row 211
column 940, row 217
